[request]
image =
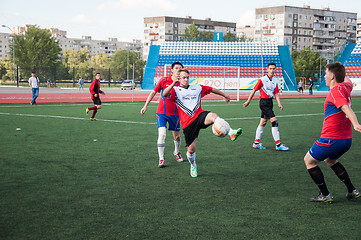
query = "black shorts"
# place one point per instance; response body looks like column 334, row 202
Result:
column 192, row 130
column 96, row 101
column 266, row 106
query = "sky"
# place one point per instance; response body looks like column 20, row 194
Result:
column 123, row 19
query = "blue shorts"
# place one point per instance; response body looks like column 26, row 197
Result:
column 325, row 148
column 173, row 121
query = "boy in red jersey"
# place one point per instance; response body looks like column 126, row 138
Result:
column 336, row 135
column 95, row 91
column 269, row 90
column 166, row 112
column 193, row 118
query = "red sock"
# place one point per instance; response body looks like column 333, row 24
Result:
column 93, row 108
column 94, row 112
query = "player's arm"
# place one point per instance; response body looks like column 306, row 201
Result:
column 352, row 116
column 169, row 88
column 246, row 103
column 150, row 98
column 219, row 92
column 30, row 83
column 277, row 96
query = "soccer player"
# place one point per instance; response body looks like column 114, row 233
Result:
column 95, row 91
column 336, row 135
column 269, row 90
column 166, row 112
column 193, row 118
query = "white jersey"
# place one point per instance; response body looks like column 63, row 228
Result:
column 189, row 102
column 267, row 87
column 34, row 81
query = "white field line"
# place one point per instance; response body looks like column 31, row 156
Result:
column 73, row 118
column 151, row 123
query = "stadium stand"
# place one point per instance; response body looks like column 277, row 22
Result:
column 350, row 57
column 246, row 61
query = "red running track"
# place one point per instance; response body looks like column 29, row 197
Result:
column 23, row 95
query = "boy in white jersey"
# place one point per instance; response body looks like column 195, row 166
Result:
column 193, row 118
column 269, row 90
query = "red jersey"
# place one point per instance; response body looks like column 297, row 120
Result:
column 189, row 102
column 95, row 88
column 336, row 125
column 268, row 87
column 165, row 106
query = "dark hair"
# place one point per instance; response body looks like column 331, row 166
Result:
column 271, row 64
column 33, row 72
column 97, row 73
column 176, row 63
column 338, row 70
column 183, row 70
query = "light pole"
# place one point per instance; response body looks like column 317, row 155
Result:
column 13, row 49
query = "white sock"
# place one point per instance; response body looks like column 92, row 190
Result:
column 162, row 132
column 176, row 146
column 276, row 134
column 259, row 132
column 192, row 159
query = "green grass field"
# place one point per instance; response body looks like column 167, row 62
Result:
column 56, row 182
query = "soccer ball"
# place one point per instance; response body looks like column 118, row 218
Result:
column 220, row 127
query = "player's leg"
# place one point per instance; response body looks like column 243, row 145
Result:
column 340, row 170
column 317, row 176
column 191, row 156
column 98, row 105
column 162, row 132
column 174, row 125
column 177, row 143
column 276, row 135
column 213, row 117
column 259, row 132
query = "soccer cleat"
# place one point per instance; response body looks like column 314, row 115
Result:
column 353, row 195
column 323, row 198
column 161, row 164
column 258, row 146
column 282, row 148
column 235, row 133
column 194, row 171
column 178, row 156
column 87, row 111
column 93, row 119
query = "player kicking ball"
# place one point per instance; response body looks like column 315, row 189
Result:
column 95, row 91
column 336, row 135
column 193, row 118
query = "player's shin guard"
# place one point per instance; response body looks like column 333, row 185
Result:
column 192, row 159
column 342, row 174
column 275, row 132
column 176, row 146
column 162, row 132
column 317, row 176
column 259, row 133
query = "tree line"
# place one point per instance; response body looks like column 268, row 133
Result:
column 38, row 51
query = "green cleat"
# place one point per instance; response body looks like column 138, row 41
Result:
column 323, row 198
column 87, row 111
column 194, row 171
column 235, row 133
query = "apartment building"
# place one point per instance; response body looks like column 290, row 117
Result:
column 94, row 46
column 358, row 30
column 6, row 41
column 246, row 32
column 164, row 28
column 322, row 30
